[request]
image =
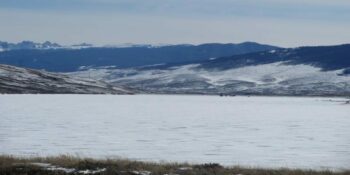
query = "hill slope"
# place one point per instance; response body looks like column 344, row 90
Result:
column 15, row 80
column 325, row 57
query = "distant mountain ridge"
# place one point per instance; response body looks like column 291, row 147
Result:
column 6, row 46
column 68, row 60
column 47, row 45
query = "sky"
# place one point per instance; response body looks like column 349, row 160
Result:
column 286, row 23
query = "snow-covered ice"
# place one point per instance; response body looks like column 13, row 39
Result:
column 252, row 131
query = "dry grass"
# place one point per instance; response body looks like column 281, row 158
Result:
column 23, row 166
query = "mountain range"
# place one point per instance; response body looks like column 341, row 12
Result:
column 230, row 69
column 68, row 60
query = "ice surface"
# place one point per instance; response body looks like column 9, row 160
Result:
column 252, row 131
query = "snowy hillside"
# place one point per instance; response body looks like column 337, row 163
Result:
column 265, row 79
column 28, row 81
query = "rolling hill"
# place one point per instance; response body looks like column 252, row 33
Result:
column 312, row 71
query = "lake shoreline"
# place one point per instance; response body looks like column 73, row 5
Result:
column 192, row 94
column 66, row 164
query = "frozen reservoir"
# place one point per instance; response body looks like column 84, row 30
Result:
column 294, row 132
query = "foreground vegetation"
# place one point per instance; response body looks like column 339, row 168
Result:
column 74, row 165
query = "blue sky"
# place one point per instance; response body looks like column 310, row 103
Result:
column 287, row 23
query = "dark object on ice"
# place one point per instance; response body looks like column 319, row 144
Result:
column 209, row 166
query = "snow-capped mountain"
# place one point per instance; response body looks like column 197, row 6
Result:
column 298, row 71
column 5, row 46
column 27, row 81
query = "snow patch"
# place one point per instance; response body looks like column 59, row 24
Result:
column 49, row 167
